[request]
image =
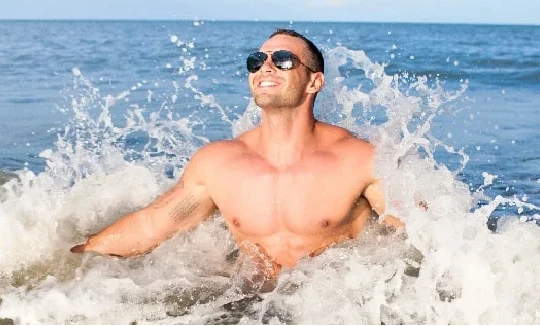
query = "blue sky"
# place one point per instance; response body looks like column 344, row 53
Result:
column 438, row 11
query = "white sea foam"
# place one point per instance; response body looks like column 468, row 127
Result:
column 467, row 274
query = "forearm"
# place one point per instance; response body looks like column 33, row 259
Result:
column 182, row 207
column 132, row 235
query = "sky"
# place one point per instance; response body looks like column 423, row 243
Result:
column 525, row 12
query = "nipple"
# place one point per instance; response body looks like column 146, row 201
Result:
column 324, row 223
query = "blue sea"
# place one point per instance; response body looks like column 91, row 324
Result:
column 100, row 117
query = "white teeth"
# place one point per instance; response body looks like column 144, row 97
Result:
column 267, row 83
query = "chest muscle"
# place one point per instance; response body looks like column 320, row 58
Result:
column 258, row 200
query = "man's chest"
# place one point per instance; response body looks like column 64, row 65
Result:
column 311, row 197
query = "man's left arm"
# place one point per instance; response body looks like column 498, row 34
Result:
column 375, row 196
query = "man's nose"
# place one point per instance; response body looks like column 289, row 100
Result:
column 268, row 65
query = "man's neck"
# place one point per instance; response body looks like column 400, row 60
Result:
column 286, row 134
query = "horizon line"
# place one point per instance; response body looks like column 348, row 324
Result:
column 256, row 21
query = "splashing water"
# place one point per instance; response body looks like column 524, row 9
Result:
column 450, row 268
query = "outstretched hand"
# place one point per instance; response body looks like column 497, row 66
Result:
column 81, row 248
column 78, row 249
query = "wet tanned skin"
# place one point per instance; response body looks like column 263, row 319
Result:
column 287, row 189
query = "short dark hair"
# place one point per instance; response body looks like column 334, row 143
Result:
column 316, row 60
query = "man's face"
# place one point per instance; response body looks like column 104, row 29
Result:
column 275, row 88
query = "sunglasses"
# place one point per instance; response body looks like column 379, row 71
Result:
column 282, row 59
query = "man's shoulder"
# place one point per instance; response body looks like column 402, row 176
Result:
column 342, row 139
column 210, row 157
column 220, row 150
column 356, row 152
column 355, row 143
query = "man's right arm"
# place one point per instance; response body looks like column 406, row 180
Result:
column 182, row 207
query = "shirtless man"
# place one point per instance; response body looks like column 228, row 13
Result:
column 291, row 187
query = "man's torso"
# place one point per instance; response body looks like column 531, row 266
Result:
column 294, row 211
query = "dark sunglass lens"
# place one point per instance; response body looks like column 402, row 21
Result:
column 255, row 61
column 283, row 59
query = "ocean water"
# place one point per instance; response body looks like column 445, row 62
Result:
column 99, row 118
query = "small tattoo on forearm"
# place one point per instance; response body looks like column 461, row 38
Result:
column 184, row 208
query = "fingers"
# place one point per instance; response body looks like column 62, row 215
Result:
column 78, row 249
column 393, row 222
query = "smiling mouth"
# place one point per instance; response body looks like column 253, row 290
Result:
column 267, row 84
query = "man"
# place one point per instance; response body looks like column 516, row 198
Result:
column 287, row 189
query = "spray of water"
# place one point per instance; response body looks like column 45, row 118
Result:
column 448, row 267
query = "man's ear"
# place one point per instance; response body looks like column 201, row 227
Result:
column 316, row 82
